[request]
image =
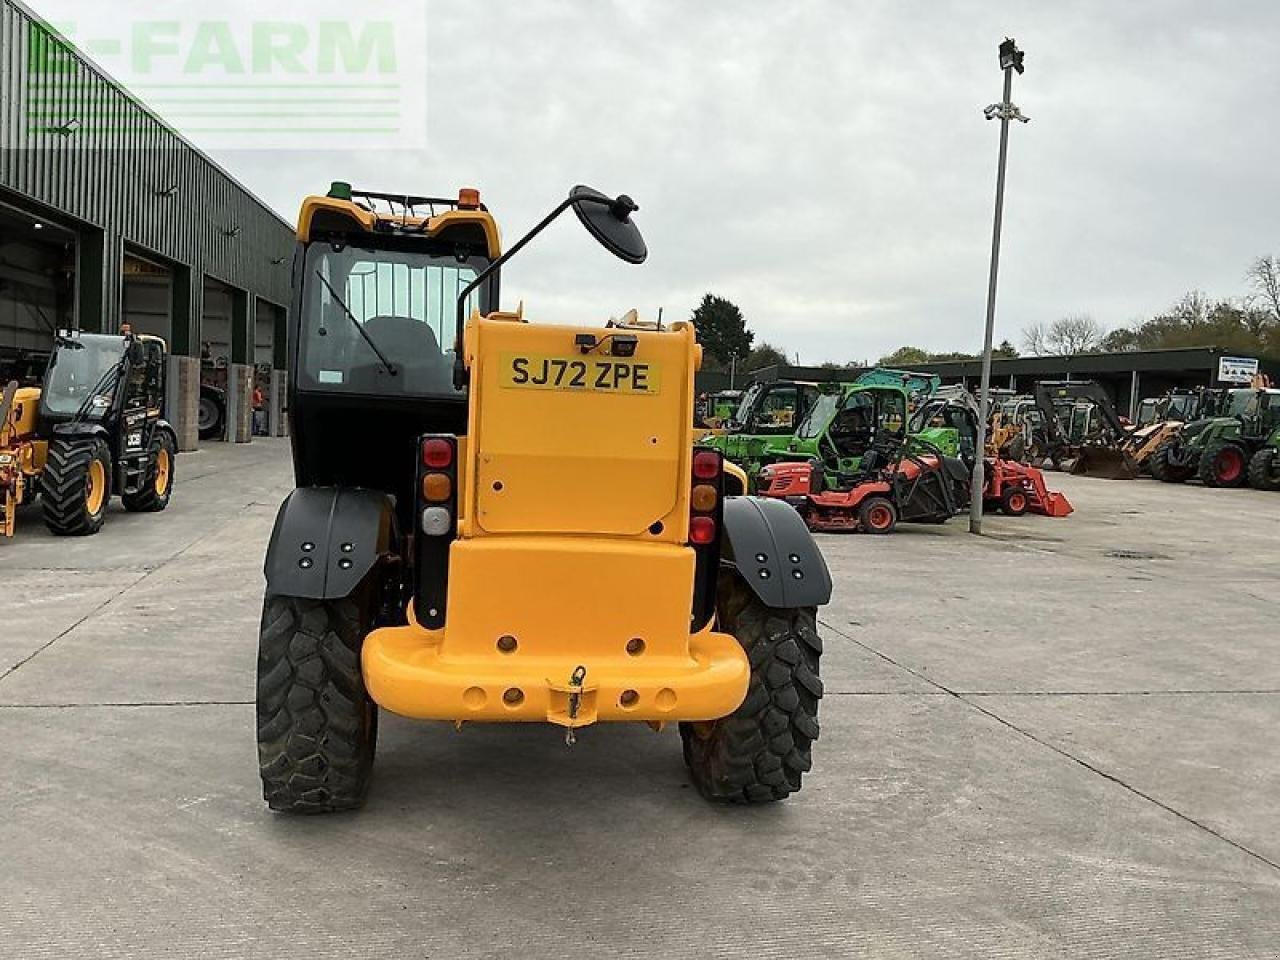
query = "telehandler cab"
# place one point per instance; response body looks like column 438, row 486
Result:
column 503, row 521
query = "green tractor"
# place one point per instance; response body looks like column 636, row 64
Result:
column 1237, row 445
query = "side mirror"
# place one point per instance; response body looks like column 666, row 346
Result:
column 137, row 353
column 609, row 221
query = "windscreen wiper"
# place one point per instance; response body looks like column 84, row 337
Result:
column 357, row 324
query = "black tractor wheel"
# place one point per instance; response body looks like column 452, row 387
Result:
column 1264, row 469
column 1014, row 502
column 153, row 496
column 877, row 515
column 1163, row 469
column 210, row 415
column 76, row 486
column 1223, row 464
column 759, row 752
column 317, row 726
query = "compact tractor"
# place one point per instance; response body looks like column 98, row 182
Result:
column 918, row 483
column 93, row 429
column 501, row 521
column 1236, row 445
column 922, row 476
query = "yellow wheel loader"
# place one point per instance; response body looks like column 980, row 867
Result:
column 502, row 521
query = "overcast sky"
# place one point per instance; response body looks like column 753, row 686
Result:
column 826, row 165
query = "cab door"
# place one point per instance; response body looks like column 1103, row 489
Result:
column 140, row 402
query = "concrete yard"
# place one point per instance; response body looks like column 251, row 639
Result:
column 1059, row 740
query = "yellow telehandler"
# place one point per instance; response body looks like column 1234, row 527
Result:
column 501, row 521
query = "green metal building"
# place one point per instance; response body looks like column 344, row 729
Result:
column 107, row 216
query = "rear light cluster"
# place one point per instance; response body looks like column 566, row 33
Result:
column 437, row 496
column 704, row 499
column 706, row 513
column 437, row 484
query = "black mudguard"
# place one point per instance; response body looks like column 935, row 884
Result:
column 326, row 539
column 164, row 426
column 81, row 430
column 773, row 551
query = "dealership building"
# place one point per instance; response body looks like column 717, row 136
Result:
column 1128, row 377
column 108, row 217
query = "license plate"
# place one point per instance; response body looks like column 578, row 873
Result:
column 583, row 373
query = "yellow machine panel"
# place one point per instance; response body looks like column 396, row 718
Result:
column 564, row 441
column 564, row 604
column 573, row 518
column 26, row 405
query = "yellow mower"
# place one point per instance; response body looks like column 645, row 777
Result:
column 501, row 521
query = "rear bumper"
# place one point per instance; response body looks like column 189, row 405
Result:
column 407, row 671
column 525, row 612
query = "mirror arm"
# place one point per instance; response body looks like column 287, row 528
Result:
column 459, row 361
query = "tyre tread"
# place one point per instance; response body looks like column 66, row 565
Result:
column 62, row 485
column 316, row 726
column 759, row 753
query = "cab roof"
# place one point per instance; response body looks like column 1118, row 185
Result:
column 346, row 210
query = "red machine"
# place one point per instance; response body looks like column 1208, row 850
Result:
column 924, row 489
column 920, row 489
column 1014, row 488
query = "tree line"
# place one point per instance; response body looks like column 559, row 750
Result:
column 1249, row 324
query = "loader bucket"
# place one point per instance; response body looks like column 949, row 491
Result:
column 1054, row 504
column 1106, row 463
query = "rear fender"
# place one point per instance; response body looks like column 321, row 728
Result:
column 80, row 430
column 164, row 426
column 771, row 548
column 326, row 540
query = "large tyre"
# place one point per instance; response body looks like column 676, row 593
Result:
column 153, row 496
column 1224, row 463
column 317, row 726
column 210, row 415
column 1264, row 469
column 877, row 515
column 1165, row 471
column 76, row 486
column 758, row 753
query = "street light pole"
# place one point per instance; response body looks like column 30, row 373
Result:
column 1010, row 60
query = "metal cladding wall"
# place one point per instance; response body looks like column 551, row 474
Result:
column 111, row 179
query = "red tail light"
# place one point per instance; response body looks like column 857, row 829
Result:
column 437, row 453
column 702, row 530
column 706, row 465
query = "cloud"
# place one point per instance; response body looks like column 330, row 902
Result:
column 826, row 165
